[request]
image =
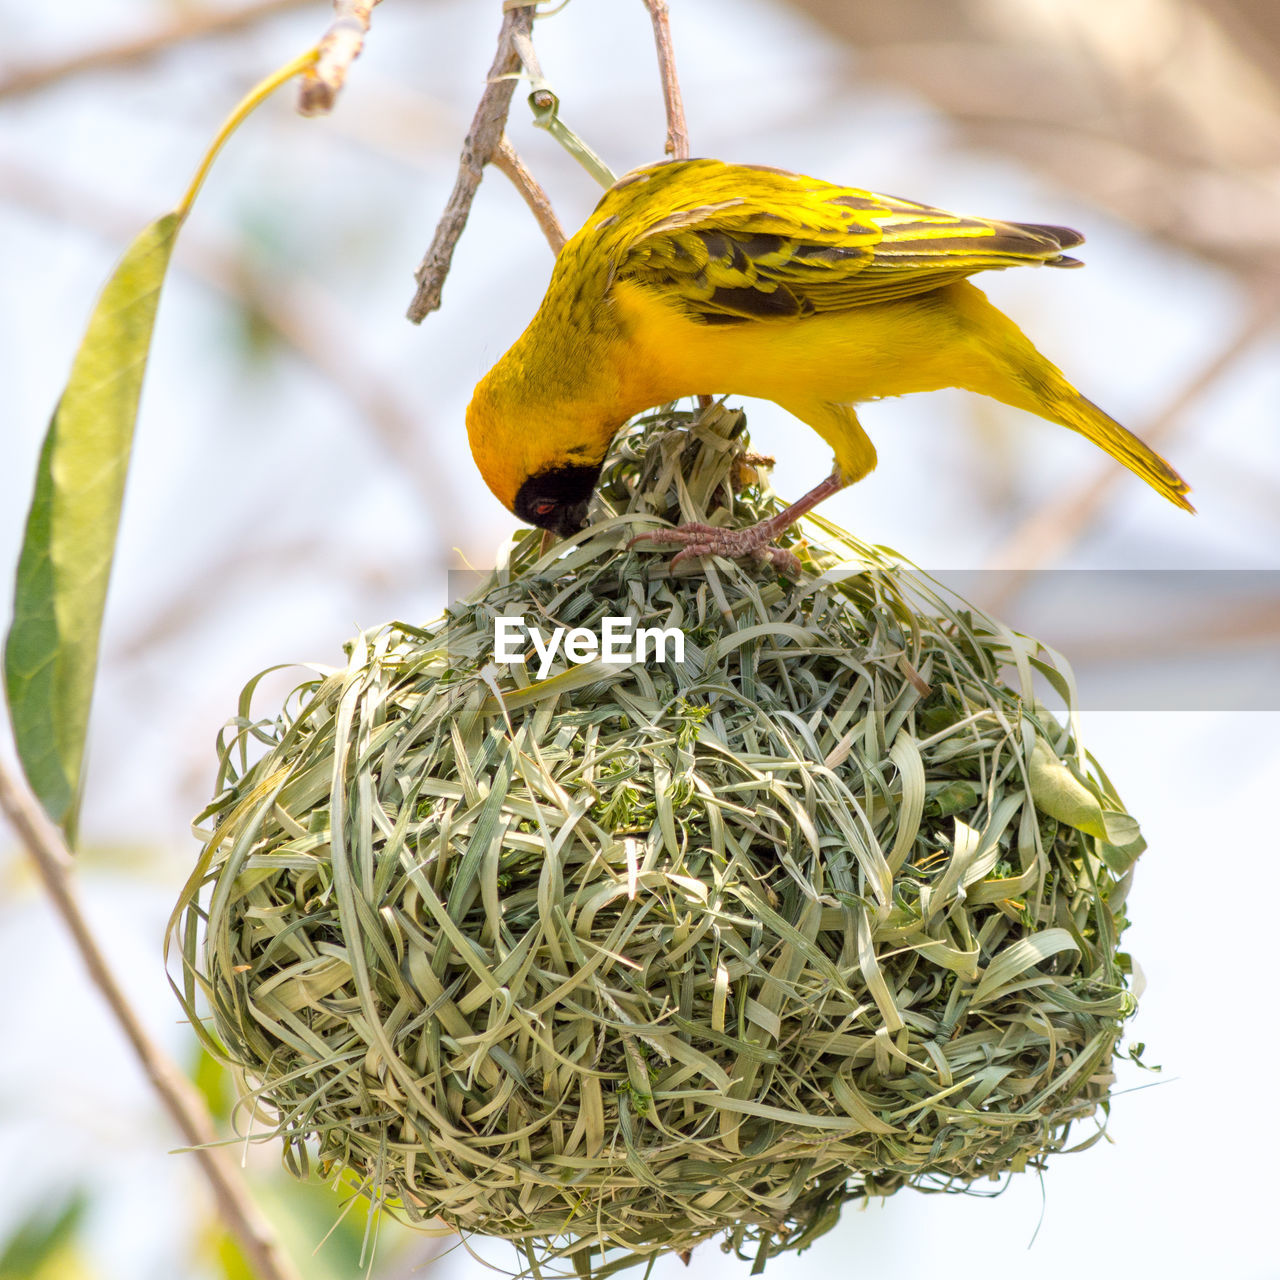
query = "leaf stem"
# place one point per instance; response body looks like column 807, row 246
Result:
column 261, row 91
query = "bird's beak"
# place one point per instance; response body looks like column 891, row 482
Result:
column 572, row 518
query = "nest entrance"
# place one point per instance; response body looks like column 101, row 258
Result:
column 620, row 960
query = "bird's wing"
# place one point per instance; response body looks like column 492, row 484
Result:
column 738, row 243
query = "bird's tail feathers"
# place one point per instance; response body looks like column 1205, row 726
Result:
column 1012, row 370
column 1074, row 411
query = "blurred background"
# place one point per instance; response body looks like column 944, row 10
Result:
column 301, row 471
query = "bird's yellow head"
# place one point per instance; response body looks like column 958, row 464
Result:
column 540, row 454
column 541, row 420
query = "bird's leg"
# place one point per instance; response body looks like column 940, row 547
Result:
column 757, row 540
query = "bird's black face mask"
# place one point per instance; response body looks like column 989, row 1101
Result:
column 557, row 499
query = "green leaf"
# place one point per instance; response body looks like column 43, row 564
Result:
column 1122, row 829
column 51, row 654
column 1060, row 794
column 956, row 796
column 1124, row 841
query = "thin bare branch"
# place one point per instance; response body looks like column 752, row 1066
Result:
column 506, row 161
column 1255, row 624
column 677, row 146
column 190, row 25
column 677, row 130
column 339, row 47
column 482, row 141
column 1045, row 535
column 179, row 1097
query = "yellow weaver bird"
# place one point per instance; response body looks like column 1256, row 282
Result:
column 700, row 277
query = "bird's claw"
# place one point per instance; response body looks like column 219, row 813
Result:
column 734, row 544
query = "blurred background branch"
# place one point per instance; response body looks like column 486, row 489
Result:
column 299, row 313
column 128, row 54
column 1165, row 112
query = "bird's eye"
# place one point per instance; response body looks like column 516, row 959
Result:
column 544, row 508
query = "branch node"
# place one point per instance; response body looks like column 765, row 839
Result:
column 339, row 47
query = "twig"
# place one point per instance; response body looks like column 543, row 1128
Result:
column 677, row 146
column 482, row 141
column 1055, row 526
column 195, row 25
column 54, row 864
column 506, row 161
column 339, row 47
column 677, row 130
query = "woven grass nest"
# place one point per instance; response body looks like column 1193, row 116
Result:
column 634, row 956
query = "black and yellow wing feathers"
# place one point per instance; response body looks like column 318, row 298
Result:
column 733, row 243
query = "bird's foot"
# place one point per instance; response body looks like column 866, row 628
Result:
column 755, row 541
column 697, row 540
